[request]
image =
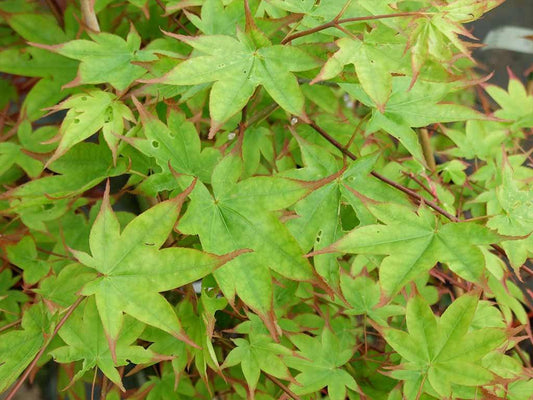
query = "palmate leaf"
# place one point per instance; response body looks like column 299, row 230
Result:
column 19, row 347
column 87, row 114
column 238, row 67
column 217, row 19
column 319, row 221
column 133, row 270
column 320, row 362
column 258, row 353
column 24, row 255
column 446, row 351
column 414, row 243
column 11, row 154
column 511, row 208
column 240, row 215
column 409, row 108
column 85, row 338
column 435, row 36
column 516, row 104
column 106, row 59
column 374, row 59
column 47, row 198
column 175, row 145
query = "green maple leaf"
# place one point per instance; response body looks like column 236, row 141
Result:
column 19, row 347
column 87, row 114
column 217, row 19
column 24, row 255
column 319, row 214
column 48, row 198
column 238, row 67
column 479, row 139
column 364, row 296
column 446, row 351
column 511, row 209
column 516, row 104
column 35, row 27
column 437, row 34
column 176, row 145
column 255, row 354
column 10, row 298
column 240, row 215
column 85, row 340
column 106, row 59
column 374, row 60
column 198, row 325
column 409, row 108
column 414, row 243
column 11, row 154
column 133, row 270
column 320, row 362
column 31, row 61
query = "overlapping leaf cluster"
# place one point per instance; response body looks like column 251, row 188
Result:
column 262, row 198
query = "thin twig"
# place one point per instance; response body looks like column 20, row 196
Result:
column 336, row 22
column 30, row 367
column 282, row 386
column 403, row 189
column 265, row 112
column 7, row 326
column 421, row 184
column 382, row 178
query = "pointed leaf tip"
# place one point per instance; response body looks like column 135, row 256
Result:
column 182, row 336
column 145, row 116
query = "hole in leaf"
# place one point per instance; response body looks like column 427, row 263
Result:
column 76, row 120
column 155, row 144
column 349, row 218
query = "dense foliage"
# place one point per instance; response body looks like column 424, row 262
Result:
column 265, row 198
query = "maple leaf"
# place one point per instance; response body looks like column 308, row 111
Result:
column 218, row 19
column 198, row 325
column 106, row 59
column 24, row 255
column 238, row 67
column 19, row 347
column 445, row 351
column 511, row 209
column 364, row 296
column 84, row 166
column 87, row 114
column 414, row 243
column 320, row 360
column 10, row 299
column 255, row 354
column 175, row 146
column 85, row 340
column 240, row 215
column 319, row 214
column 516, row 104
column 133, row 270
column 11, row 154
column 375, row 61
column 436, row 34
column 409, row 108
